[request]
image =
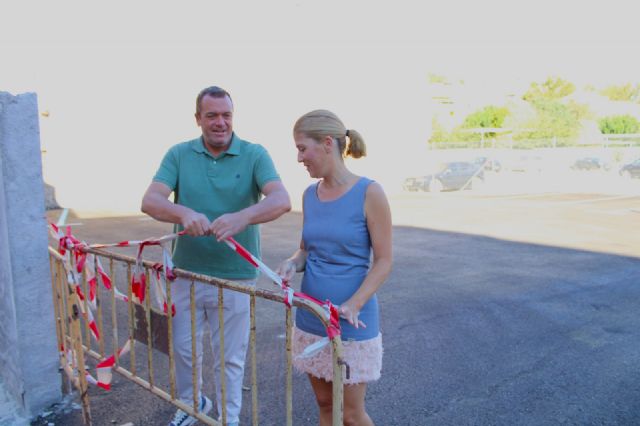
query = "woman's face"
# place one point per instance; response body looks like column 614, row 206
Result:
column 312, row 154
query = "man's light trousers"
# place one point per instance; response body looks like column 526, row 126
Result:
column 236, row 337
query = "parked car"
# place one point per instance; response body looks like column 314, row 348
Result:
column 451, row 177
column 590, row 163
column 631, row 170
column 489, row 164
column 413, row 184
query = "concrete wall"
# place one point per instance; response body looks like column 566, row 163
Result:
column 28, row 353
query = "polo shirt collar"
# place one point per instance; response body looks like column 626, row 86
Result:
column 234, row 148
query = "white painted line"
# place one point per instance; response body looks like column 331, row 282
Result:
column 63, row 218
column 543, row 194
column 145, row 218
column 618, row 212
column 595, row 200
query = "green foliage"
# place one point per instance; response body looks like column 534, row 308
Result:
column 553, row 119
column 619, row 124
column 489, row 116
column 438, row 132
column 437, row 79
column 580, row 111
column 626, row 92
column 552, row 89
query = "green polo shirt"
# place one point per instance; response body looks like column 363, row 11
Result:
column 215, row 186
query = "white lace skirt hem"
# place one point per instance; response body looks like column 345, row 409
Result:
column 364, row 358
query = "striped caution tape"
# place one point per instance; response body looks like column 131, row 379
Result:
column 331, row 312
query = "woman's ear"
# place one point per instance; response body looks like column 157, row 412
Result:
column 327, row 143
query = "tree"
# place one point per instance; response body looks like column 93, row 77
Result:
column 619, row 124
column 626, row 92
column 438, row 132
column 552, row 89
column 489, row 117
column 553, row 119
column 580, row 111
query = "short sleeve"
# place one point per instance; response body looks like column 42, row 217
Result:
column 168, row 171
column 264, row 170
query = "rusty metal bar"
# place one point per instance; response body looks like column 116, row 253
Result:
column 114, row 317
column 98, row 304
column 56, row 307
column 62, row 288
column 61, row 285
column 147, row 309
column 338, row 388
column 223, row 379
column 289, row 388
column 64, row 364
column 132, row 353
column 194, row 365
column 254, row 372
column 172, row 373
column 158, row 392
column 85, row 303
column 76, row 335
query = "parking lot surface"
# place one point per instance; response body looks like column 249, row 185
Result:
column 502, row 309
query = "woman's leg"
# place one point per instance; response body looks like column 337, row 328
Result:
column 324, row 397
column 354, row 411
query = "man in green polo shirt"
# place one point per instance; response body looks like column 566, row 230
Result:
column 218, row 181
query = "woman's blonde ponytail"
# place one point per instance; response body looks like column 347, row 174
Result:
column 356, row 147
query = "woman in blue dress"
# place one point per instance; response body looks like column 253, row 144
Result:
column 346, row 218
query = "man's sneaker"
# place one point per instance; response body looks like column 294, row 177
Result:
column 183, row 419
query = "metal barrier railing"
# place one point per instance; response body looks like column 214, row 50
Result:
column 152, row 327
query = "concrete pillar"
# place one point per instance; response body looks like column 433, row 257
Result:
column 28, row 352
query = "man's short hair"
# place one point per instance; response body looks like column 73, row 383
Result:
column 214, row 92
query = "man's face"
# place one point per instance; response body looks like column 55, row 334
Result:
column 216, row 121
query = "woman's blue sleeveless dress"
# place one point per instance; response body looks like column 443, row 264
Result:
column 336, row 238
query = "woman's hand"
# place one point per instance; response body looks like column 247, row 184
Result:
column 350, row 313
column 286, row 270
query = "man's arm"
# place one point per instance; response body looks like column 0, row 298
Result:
column 156, row 204
column 275, row 203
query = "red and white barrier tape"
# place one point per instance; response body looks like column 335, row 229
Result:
column 331, row 312
column 69, row 246
column 68, row 243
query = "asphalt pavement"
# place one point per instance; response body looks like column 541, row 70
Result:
column 500, row 310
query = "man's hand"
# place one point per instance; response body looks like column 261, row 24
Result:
column 195, row 224
column 229, row 225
